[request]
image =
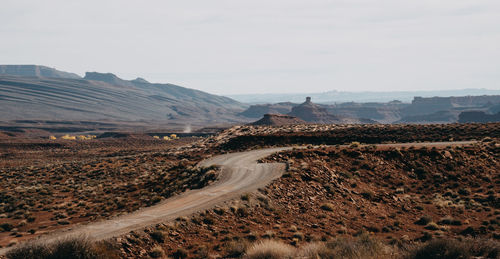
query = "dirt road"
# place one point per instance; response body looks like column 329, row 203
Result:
column 240, row 173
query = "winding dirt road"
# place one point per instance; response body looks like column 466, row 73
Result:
column 240, row 173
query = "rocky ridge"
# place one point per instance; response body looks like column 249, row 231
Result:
column 278, row 120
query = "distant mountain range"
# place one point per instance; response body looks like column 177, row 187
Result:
column 333, row 97
column 29, row 92
column 420, row 110
column 39, row 93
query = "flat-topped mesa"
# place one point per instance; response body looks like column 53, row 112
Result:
column 278, row 120
column 313, row 113
column 428, row 105
column 35, row 71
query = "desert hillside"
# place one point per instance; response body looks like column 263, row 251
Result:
column 47, row 96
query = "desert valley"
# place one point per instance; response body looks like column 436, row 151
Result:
column 101, row 167
column 318, row 129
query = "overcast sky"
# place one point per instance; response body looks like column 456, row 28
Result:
column 263, row 46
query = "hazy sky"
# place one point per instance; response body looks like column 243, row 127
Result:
column 261, row 46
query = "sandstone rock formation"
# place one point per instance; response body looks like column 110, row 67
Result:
column 421, row 106
column 278, row 120
column 313, row 113
column 258, row 110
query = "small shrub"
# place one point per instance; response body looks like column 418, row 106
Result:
column 327, row 206
column 219, row 211
column 181, row 253
column 236, row 248
column 424, row 220
column 242, row 212
column 6, row 227
column 157, row 252
column 269, row 234
column 421, row 173
column 245, row 197
column 208, row 220
column 440, row 249
column 78, row 247
column 158, row 236
column 298, row 235
column 432, row 226
column 63, row 222
column 367, row 194
column 202, row 252
column 450, row 221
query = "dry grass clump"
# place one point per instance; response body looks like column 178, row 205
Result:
column 157, row 252
column 368, row 247
column 270, row 249
column 314, row 250
column 363, row 246
column 236, row 248
column 77, row 247
column 451, row 248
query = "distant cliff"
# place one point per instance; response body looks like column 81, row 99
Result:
column 478, row 116
column 421, row 105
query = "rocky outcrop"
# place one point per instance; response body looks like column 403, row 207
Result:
column 140, row 80
column 258, row 110
column 313, row 113
column 278, row 120
column 107, row 78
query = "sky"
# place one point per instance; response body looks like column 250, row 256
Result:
column 263, row 46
